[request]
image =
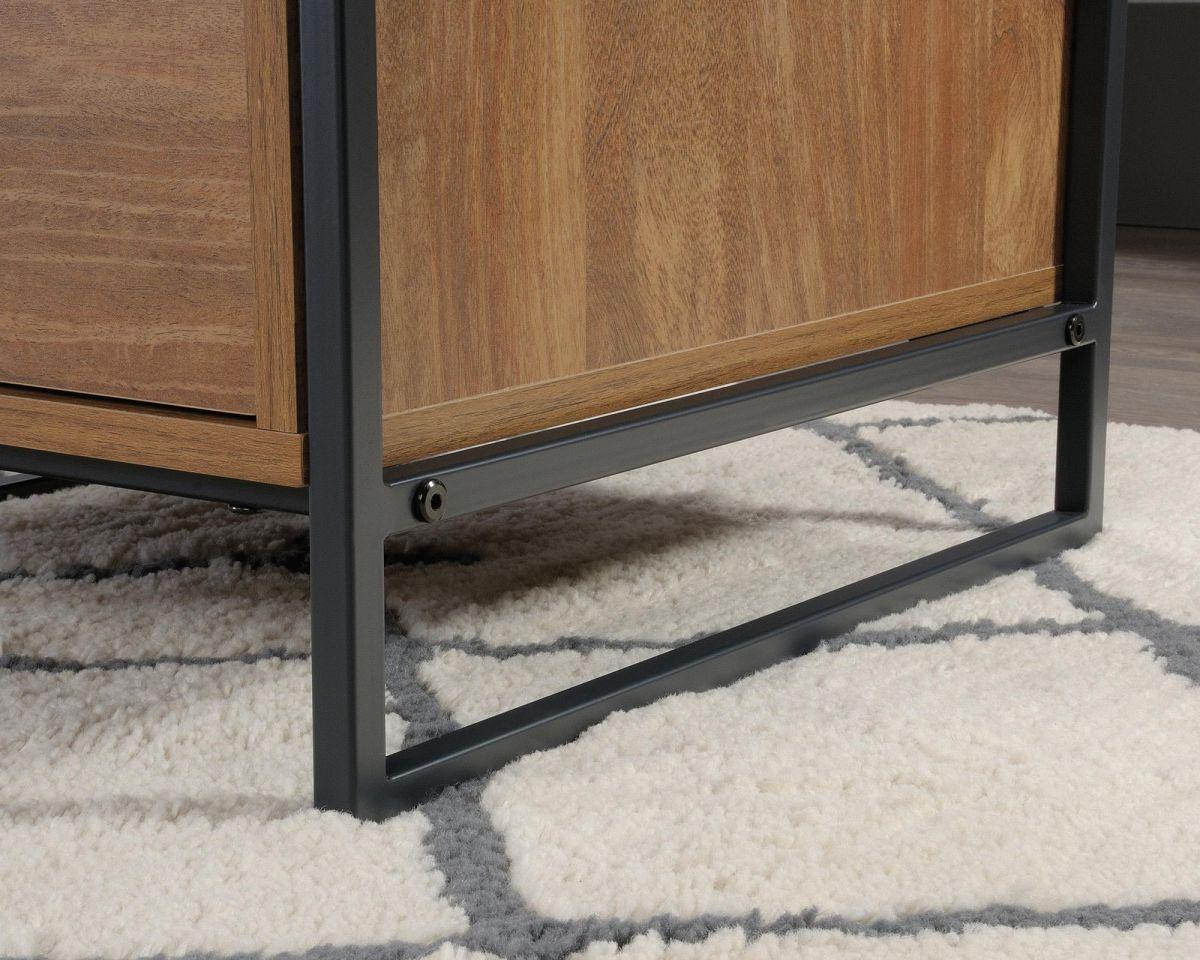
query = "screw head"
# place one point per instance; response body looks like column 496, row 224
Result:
column 1075, row 330
column 429, row 503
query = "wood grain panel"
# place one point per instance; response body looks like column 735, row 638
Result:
column 1023, row 167
column 410, row 435
column 275, row 216
column 126, row 266
column 571, row 187
column 214, row 444
column 472, row 211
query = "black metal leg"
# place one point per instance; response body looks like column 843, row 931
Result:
column 345, row 406
column 347, row 666
column 1089, row 240
column 354, row 503
column 1082, row 419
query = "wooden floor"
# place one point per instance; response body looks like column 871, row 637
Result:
column 1156, row 340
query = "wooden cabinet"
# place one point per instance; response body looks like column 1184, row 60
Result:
column 586, row 205
column 145, row 201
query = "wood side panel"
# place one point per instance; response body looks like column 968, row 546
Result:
column 940, row 206
column 213, row 444
column 126, row 266
column 274, row 212
column 458, row 291
column 576, row 195
column 410, row 435
column 1025, row 161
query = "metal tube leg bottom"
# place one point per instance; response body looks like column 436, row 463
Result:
column 347, row 665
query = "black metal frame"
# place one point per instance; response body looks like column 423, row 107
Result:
column 354, row 504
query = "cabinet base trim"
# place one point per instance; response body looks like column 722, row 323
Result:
column 210, row 444
column 415, row 434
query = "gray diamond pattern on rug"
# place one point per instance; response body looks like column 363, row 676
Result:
column 1010, row 771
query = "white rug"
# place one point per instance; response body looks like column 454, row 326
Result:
column 1009, row 772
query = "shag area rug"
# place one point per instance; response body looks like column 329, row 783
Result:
column 1013, row 771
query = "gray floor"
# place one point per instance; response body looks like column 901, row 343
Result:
column 1156, row 340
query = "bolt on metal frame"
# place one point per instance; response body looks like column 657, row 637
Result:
column 354, row 503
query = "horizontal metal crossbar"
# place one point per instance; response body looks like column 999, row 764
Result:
column 418, row 772
column 512, row 470
column 19, row 485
